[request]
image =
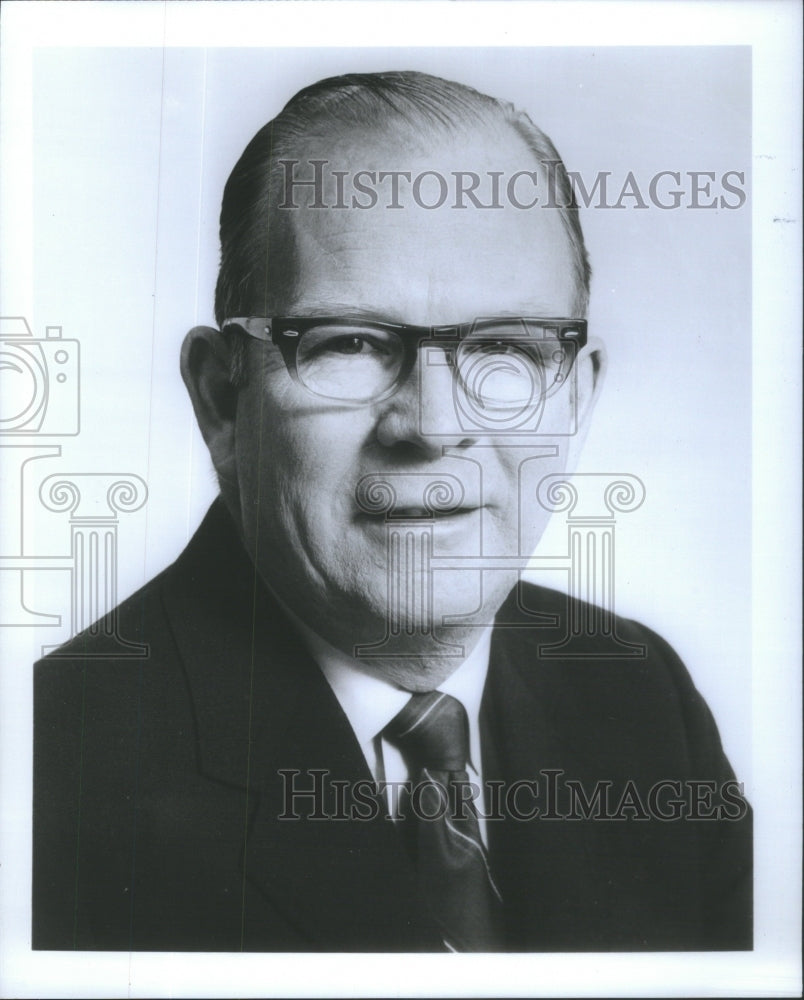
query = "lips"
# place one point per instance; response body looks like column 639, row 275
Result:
column 416, row 512
column 425, row 512
column 414, row 495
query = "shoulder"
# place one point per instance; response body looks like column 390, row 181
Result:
column 178, row 652
column 141, row 631
column 104, row 662
column 615, row 678
column 118, row 633
column 562, row 629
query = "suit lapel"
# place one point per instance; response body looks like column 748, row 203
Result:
column 346, row 880
column 262, row 707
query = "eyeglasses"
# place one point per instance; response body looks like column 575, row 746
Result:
column 499, row 363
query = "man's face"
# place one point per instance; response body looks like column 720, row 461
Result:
column 300, row 457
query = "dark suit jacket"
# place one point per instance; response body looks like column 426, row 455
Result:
column 158, row 789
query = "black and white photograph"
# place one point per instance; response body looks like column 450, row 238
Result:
column 400, row 487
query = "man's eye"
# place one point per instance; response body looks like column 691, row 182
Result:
column 513, row 350
column 501, row 347
column 348, row 345
column 352, row 345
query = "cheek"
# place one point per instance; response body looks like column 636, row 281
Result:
column 301, row 462
column 523, row 518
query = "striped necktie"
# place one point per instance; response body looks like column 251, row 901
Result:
column 432, row 734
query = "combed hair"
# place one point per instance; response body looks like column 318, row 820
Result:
column 257, row 248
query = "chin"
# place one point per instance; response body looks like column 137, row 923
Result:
column 418, row 618
column 417, row 674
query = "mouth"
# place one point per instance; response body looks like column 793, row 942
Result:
column 418, row 513
column 426, row 514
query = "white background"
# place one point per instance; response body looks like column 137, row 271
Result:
column 128, row 141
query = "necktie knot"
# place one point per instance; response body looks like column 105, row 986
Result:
column 431, row 731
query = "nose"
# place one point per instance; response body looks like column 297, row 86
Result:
column 421, row 415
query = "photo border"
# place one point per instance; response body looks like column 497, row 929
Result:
column 772, row 29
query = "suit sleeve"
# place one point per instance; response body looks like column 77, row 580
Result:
column 726, row 844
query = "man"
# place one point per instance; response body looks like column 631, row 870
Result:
column 354, row 729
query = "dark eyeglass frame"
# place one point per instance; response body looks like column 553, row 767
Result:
column 287, row 331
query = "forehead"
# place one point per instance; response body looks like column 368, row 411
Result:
column 430, row 265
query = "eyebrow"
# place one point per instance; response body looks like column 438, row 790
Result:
column 344, row 309
column 352, row 311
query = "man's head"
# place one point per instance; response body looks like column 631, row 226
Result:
column 292, row 463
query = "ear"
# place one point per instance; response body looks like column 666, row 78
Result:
column 590, row 372
column 205, row 370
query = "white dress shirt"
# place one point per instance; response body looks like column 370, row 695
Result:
column 370, row 703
